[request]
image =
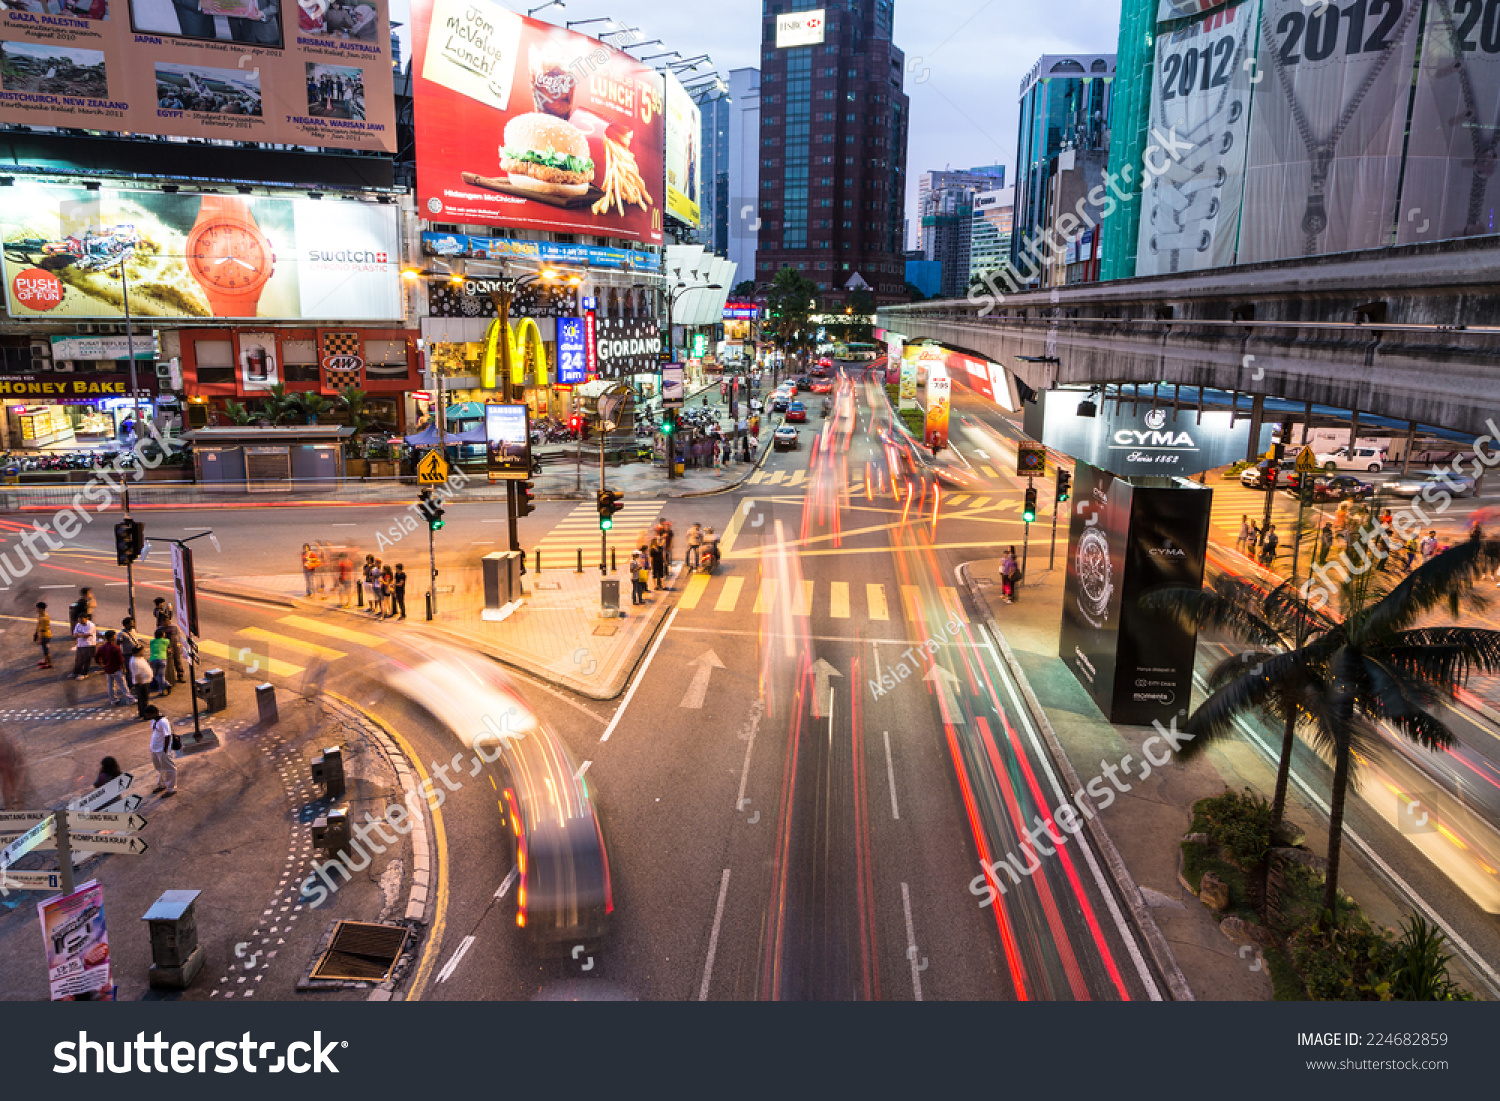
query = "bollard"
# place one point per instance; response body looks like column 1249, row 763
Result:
column 265, row 704
column 580, row 561
column 328, row 771
column 330, row 832
column 612, row 567
column 176, row 955
column 429, row 606
column 359, row 592
column 539, row 560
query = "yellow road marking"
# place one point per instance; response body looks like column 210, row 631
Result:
column 311, row 649
column 730, row 594
column 797, row 479
column 344, row 634
column 988, row 470
column 911, row 604
column 875, row 596
column 766, row 597
column 694, row 591
column 804, row 605
column 838, row 600
column 271, row 665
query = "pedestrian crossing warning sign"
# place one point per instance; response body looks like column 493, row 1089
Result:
column 1307, row 462
column 433, row 469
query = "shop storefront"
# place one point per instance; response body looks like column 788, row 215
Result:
column 62, row 410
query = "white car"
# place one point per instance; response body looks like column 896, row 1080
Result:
column 785, row 437
column 1363, row 458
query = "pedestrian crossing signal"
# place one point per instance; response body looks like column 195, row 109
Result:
column 431, row 510
column 608, row 503
column 1064, row 485
column 130, row 540
column 1029, row 512
column 525, row 498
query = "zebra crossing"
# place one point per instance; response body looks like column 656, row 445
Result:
column 869, row 601
column 579, row 529
column 251, row 648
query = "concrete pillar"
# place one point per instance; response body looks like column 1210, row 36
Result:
column 1257, row 414
column 1411, row 432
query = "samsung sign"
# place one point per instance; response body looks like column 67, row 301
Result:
column 1142, row 441
column 799, row 28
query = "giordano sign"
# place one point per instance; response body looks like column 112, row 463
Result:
column 517, row 338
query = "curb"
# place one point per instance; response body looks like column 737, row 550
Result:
column 1156, row 943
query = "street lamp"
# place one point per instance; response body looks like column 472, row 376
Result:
column 550, row 4
column 637, row 45
column 689, row 63
column 618, row 30
column 653, row 57
column 585, row 22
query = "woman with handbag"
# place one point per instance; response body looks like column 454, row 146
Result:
column 163, row 743
column 1010, row 573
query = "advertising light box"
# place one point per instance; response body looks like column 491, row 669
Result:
column 800, row 28
column 197, row 256
column 311, row 73
column 520, row 123
column 684, row 125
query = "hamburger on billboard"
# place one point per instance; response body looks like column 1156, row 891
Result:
column 520, row 123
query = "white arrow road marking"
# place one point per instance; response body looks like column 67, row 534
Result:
column 823, row 691
column 943, row 682
column 453, row 961
column 697, row 691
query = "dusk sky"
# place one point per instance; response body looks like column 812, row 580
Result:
column 973, row 54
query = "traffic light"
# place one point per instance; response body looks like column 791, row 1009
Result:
column 1029, row 512
column 431, row 509
column 525, row 498
column 668, row 422
column 1064, row 485
column 609, row 504
column 130, row 539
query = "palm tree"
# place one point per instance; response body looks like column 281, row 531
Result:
column 279, row 405
column 238, row 413
column 314, row 407
column 353, row 399
column 1346, row 674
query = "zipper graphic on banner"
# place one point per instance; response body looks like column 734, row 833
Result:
column 1485, row 139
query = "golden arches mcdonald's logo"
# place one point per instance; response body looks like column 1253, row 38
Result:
column 523, row 336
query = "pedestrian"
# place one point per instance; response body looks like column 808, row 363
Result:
column 159, row 646
column 42, row 635
column 85, row 638
column 162, row 744
column 1325, row 544
column 109, row 769
column 112, row 661
column 387, row 587
column 1009, row 573
column 398, row 591
column 140, row 681
column 1245, row 528
column 1268, row 546
column 637, row 577
column 1429, row 546
column 84, row 603
column 346, row 579
column 309, row 568
column 166, row 618
column 667, row 536
column 694, row 542
column 658, row 560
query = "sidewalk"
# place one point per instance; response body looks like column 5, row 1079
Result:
column 556, row 634
column 1147, row 824
column 238, row 831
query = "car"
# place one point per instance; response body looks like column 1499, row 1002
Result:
column 786, row 438
column 1260, row 476
column 801, row 382
column 1340, row 487
column 796, row 411
column 822, row 386
column 779, row 401
column 1363, row 458
column 1413, row 485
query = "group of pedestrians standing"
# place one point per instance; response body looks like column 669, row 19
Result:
column 385, row 589
column 133, row 664
column 651, row 562
column 1257, row 542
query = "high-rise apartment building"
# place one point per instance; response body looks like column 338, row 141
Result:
column 1062, row 151
column 946, row 205
column 989, row 177
column 833, row 131
column 713, row 209
column 990, row 229
column 742, row 210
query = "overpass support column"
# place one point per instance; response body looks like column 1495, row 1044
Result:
column 1257, row 414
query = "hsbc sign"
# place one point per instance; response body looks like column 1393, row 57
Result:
column 800, row 28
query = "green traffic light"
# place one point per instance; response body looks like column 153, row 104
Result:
column 605, row 523
column 1028, row 516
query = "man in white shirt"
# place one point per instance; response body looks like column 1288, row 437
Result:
column 161, row 753
column 85, row 638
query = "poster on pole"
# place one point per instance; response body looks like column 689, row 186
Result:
column 673, row 384
column 184, row 591
column 939, row 394
column 508, row 442
column 77, row 945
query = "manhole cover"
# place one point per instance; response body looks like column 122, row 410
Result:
column 606, row 629
column 361, row 950
column 547, row 585
column 983, row 581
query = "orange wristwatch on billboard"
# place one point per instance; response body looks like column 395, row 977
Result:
column 229, row 256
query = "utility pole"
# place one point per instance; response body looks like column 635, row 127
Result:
column 1025, row 535
column 135, row 398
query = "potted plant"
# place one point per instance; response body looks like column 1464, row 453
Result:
column 352, row 399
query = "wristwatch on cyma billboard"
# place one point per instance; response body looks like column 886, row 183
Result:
column 229, row 256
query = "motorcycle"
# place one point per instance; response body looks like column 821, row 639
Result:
column 708, row 557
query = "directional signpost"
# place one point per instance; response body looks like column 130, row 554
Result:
column 103, row 795
column 59, row 831
column 38, row 837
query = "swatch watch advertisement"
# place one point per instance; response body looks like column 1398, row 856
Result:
column 197, row 256
column 520, row 123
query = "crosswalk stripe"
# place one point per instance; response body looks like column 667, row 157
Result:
column 757, row 478
column 875, row 596
column 911, row 603
column 694, row 592
column 766, row 597
column 730, row 594
column 838, row 600
column 989, row 471
column 775, row 477
column 274, row 666
column 797, row 479
column 311, row 649
column 957, row 497
column 804, row 605
column 949, row 597
column 344, row 634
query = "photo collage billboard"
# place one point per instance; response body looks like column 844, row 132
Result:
column 190, row 256
column 521, row 123
column 310, row 72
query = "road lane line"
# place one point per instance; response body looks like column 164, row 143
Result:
column 911, row 943
column 581, row 770
column 639, row 677
column 765, row 600
column 729, row 595
column 911, row 605
column 713, row 938
column 696, row 586
column 509, row 879
column 875, row 597
column 838, row 600
column 755, row 712
column 463, row 950
column 890, row 771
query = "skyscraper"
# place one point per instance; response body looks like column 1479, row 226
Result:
column 833, row 130
column 988, row 177
column 742, row 211
column 713, row 233
column 946, row 204
column 989, row 237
